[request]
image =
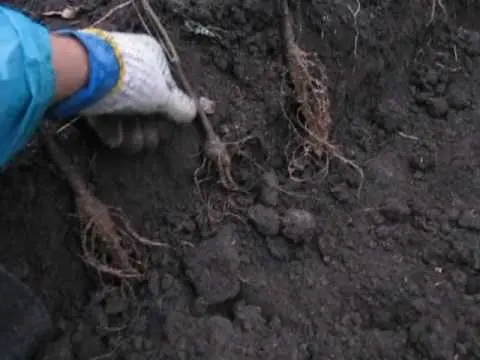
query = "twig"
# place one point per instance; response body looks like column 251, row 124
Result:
column 407, row 136
column 112, row 11
column 67, row 125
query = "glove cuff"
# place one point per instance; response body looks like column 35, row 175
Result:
column 106, row 70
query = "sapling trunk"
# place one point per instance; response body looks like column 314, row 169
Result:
column 311, row 94
column 215, row 150
column 109, row 244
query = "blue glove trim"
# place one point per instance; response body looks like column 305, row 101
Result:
column 27, row 80
column 103, row 76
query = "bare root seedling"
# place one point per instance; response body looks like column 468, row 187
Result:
column 109, row 244
column 215, row 150
column 311, row 93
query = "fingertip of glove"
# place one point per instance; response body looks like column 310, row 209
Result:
column 181, row 108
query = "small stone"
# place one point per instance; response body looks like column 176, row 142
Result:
column 275, row 323
column 207, row 105
column 422, row 160
column 395, row 210
column 453, row 214
column 220, row 331
column 200, row 306
column 298, row 225
column 431, row 77
column 265, row 220
column 70, row 12
column 437, row 107
column 269, row 189
column 458, row 98
column 390, row 114
column 458, row 277
column 472, row 286
column 249, row 316
column 469, row 220
column 278, row 247
column 116, row 304
column 440, row 88
column 421, row 98
column 341, row 193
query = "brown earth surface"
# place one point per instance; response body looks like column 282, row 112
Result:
column 301, row 270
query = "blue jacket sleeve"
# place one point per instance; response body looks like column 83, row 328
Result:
column 27, row 80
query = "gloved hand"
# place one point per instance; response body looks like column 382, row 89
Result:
column 129, row 74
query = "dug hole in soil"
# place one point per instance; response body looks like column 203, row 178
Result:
column 329, row 268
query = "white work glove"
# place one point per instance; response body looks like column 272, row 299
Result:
column 142, row 85
column 147, row 86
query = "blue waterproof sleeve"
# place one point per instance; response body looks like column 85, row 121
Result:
column 27, row 80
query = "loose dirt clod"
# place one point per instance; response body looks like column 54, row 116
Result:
column 215, row 150
column 311, row 94
column 109, row 244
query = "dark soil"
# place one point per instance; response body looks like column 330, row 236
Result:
column 391, row 274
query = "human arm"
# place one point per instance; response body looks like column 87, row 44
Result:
column 89, row 72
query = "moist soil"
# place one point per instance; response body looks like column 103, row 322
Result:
column 314, row 263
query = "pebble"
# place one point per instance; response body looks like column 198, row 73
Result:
column 249, row 316
column 200, row 306
column 269, row 189
column 422, row 161
column 115, row 304
column 298, row 225
column 458, row 98
column 431, row 77
column 266, row 220
column 437, row 107
column 341, row 193
column 278, row 247
column 220, row 331
column 390, row 114
column 469, row 220
column 421, row 98
column 453, row 214
column 395, row 209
